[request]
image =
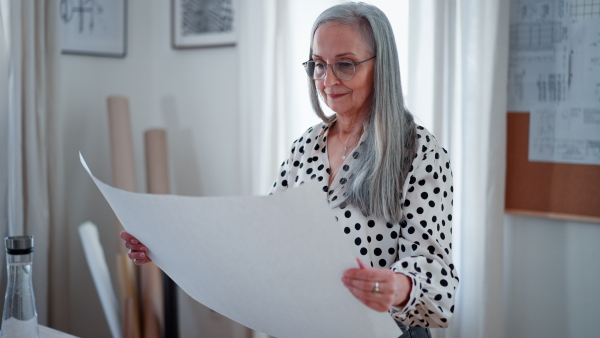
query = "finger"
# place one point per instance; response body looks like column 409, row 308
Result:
column 136, row 247
column 366, row 285
column 128, row 238
column 136, row 255
column 142, row 261
column 368, row 274
column 378, row 302
column 361, row 264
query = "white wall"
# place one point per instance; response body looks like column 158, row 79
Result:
column 194, row 94
column 552, row 278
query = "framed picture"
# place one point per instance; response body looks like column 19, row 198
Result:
column 93, row 27
column 204, row 23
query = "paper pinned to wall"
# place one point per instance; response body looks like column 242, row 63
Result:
column 271, row 263
column 565, row 134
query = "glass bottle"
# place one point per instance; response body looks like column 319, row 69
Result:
column 19, row 318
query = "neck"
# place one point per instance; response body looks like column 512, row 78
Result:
column 346, row 127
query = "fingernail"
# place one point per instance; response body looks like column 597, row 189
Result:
column 134, row 241
column 142, row 255
column 143, row 248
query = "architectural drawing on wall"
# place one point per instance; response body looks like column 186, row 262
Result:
column 554, row 63
column 554, row 52
column 565, row 134
column 202, row 23
column 93, row 27
column 585, row 8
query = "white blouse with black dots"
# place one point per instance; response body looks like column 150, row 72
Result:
column 420, row 246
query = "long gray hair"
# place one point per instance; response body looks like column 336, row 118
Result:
column 389, row 147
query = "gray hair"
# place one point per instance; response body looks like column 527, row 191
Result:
column 388, row 150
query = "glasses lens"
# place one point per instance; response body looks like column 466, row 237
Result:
column 309, row 66
column 320, row 70
column 344, row 70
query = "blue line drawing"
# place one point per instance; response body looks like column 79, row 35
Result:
column 83, row 9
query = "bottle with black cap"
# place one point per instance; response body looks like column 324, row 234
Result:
column 19, row 318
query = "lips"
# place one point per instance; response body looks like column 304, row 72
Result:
column 335, row 96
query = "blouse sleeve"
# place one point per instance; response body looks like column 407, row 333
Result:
column 282, row 182
column 426, row 240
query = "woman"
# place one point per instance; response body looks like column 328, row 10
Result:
column 388, row 181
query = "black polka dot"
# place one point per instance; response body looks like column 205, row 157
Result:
column 346, row 230
column 347, row 214
column 371, row 223
column 424, row 195
column 357, row 241
column 391, row 251
column 357, row 226
column 382, row 263
column 411, row 230
column 377, row 252
column 379, row 237
column 363, row 251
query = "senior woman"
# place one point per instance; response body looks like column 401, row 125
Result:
column 387, row 180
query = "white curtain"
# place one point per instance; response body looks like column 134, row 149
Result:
column 454, row 59
column 26, row 69
column 4, row 128
column 457, row 68
column 274, row 103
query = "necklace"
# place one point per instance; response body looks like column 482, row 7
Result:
column 345, row 144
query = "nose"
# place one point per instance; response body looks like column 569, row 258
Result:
column 330, row 78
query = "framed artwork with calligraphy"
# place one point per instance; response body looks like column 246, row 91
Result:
column 93, row 27
column 204, row 23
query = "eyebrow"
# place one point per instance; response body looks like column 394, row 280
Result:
column 339, row 55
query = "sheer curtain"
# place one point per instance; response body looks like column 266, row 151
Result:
column 456, row 86
column 26, row 68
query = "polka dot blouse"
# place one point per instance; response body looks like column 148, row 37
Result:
column 420, row 246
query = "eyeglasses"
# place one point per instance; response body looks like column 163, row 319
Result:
column 344, row 70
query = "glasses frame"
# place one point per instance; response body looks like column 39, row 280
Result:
column 306, row 67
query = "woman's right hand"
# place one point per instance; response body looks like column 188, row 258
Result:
column 137, row 250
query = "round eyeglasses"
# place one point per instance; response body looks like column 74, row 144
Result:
column 344, row 70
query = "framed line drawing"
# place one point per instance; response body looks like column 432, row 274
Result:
column 204, row 23
column 93, row 27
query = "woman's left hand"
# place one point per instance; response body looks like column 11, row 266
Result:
column 379, row 289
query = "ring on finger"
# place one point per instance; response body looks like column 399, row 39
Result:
column 376, row 288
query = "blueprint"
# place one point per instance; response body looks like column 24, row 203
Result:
column 565, row 134
column 554, row 73
column 554, row 53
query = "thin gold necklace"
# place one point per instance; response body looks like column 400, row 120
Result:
column 345, row 144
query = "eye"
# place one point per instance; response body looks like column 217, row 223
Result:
column 320, row 66
column 344, row 65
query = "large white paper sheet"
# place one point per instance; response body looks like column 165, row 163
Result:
column 271, row 263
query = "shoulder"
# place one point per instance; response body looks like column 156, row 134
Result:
column 429, row 149
column 312, row 132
